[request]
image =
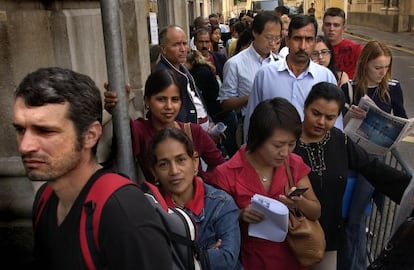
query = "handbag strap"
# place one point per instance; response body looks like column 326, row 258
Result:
column 289, row 183
column 187, row 131
column 350, row 95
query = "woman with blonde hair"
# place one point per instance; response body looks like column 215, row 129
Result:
column 204, row 74
column 283, row 50
column 372, row 78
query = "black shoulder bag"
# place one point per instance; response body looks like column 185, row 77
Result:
column 398, row 254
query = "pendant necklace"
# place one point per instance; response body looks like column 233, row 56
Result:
column 263, row 178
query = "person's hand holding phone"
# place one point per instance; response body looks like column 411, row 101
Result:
column 293, row 198
column 297, row 192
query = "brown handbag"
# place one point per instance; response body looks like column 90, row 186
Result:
column 305, row 237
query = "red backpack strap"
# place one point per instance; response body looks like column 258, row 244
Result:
column 98, row 194
column 44, row 196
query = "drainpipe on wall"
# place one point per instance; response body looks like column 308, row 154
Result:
column 116, row 79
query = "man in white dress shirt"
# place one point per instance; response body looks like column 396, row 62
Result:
column 239, row 70
column 293, row 77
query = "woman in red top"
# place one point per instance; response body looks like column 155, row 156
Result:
column 259, row 168
column 172, row 158
column 162, row 99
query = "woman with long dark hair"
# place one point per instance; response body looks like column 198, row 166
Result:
column 162, row 98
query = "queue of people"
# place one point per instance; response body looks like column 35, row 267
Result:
column 288, row 111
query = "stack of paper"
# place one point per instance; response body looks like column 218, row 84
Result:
column 275, row 225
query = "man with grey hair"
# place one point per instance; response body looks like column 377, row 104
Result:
column 174, row 49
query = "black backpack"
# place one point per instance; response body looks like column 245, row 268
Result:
column 398, row 254
column 179, row 226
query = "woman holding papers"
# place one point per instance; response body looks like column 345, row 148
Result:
column 259, row 168
column 372, row 78
column 174, row 164
column 330, row 154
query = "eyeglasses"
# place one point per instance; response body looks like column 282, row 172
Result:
column 317, row 54
column 271, row 39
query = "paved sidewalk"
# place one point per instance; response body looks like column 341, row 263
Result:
column 402, row 40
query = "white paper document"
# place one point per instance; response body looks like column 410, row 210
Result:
column 275, row 225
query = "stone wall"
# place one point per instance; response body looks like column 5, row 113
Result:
column 386, row 22
column 16, row 197
column 26, row 44
column 375, row 14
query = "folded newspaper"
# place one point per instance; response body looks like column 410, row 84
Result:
column 275, row 225
column 379, row 131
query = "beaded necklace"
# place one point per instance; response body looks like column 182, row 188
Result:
column 316, row 153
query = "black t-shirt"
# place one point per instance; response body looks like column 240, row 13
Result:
column 130, row 234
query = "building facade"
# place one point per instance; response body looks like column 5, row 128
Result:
column 388, row 15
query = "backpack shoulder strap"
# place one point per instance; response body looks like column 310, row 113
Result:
column 289, row 184
column 99, row 193
column 45, row 192
column 153, row 190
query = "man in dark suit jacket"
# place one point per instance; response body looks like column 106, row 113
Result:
column 174, row 48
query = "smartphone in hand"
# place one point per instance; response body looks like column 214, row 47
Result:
column 297, row 192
